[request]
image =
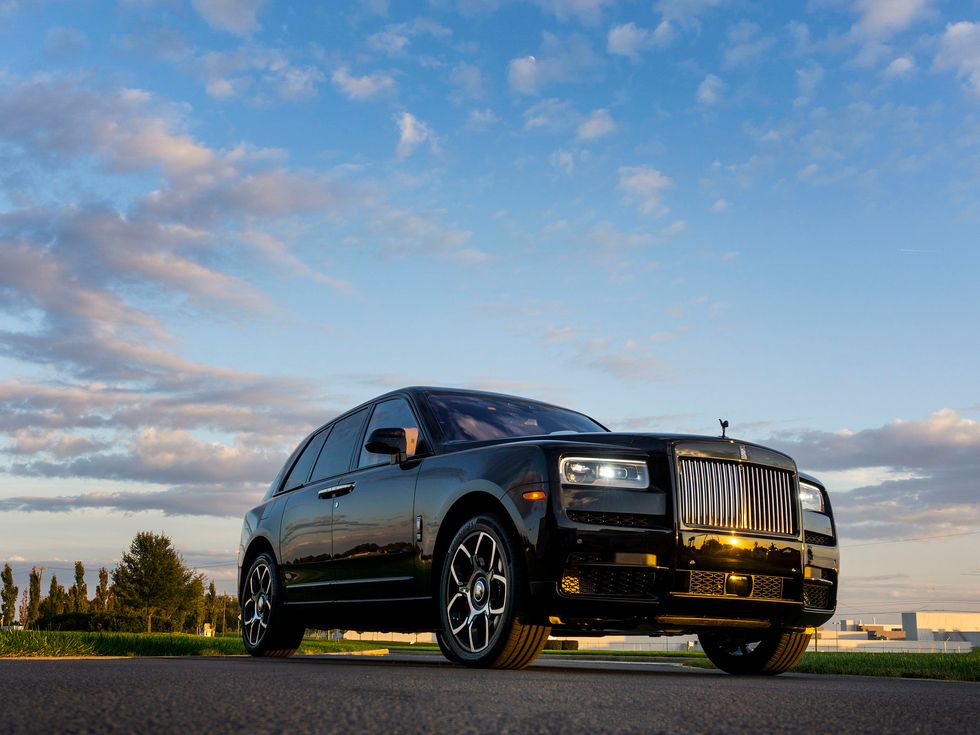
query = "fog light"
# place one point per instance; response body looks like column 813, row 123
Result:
column 738, row 584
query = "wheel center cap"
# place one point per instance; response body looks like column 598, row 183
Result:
column 479, row 590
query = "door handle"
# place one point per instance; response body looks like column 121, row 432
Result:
column 335, row 491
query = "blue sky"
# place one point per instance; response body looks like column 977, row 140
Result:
column 223, row 221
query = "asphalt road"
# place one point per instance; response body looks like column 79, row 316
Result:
column 422, row 693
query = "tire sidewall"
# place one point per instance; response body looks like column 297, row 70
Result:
column 276, row 616
column 492, row 525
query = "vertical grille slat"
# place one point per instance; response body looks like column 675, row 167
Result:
column 716, row 493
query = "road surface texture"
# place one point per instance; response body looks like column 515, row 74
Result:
column 422, row 693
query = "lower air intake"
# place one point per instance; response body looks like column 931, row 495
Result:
column 608, row 582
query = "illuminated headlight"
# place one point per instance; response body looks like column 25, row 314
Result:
column 811, row 497
column 623, row 473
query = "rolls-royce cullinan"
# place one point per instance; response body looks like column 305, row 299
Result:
column 495, row 521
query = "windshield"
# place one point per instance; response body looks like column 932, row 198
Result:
column 465, row 417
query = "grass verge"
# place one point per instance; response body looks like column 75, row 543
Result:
column 946, row 666
column 43, row 643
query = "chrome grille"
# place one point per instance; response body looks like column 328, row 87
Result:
column 736, row 496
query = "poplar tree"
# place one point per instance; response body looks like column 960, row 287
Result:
column 9, row 595
column 34, row 601
column 103, row 593
column 79, row 599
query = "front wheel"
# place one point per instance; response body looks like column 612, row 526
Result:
column 771, row 652
column 266, row 628
column 482, row 596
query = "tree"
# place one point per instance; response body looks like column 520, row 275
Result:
column 78, row 595
column 22, row 618
column 211, row 606
column 9, row 595
column 103, row 601
column 151, row 578
column 56, row 601
column 34, row 603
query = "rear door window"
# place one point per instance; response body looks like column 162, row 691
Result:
column 301, row 470
column 336, row 454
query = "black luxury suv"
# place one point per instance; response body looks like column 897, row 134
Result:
column 495, row 521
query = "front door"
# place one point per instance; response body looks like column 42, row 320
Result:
column 374, row 549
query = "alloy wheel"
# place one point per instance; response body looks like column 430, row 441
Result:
column 257, row 609
column 477, row 592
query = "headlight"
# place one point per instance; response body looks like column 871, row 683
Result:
column 811, row 497
column 623, row 473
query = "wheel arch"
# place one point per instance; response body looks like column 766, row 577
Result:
column 256, row 546
column 464, row 508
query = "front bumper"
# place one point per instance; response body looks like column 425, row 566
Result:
column 600, row 579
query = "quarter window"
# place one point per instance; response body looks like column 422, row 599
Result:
column 337, row 452
column 301, row 470
column 393, row 414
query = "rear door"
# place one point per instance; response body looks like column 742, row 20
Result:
column 306, row 538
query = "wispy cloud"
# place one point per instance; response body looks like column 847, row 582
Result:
column 561, row 59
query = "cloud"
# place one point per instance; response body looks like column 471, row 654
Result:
column 586, row 11
column 924, row 470
column 807, row 81
column 403, row 233
column 467, row 80
column 255, row 70
column 597, row 125
column 643, row 187
column 412, row 132
column 239, row 17
column 630, row 40
column 364, row 87
column 882, row 18
column 686, row 12
column 395, row 39
column 61, row 42
column 745, row 43
column 900, row 67
column 709, row 91
column 193, row 500
column 481, row 119
column 564, row 161
column 549, row 114
column 960, row 50
column 560, row 60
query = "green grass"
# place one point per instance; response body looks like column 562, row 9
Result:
column 40, row 643
column 950, row 666
column 947, row 666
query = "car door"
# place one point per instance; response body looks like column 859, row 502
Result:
column 306, row 536
column 374, row 549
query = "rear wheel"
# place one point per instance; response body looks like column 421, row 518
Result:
column 266, row 628
column 482, row 597
column 771, row 652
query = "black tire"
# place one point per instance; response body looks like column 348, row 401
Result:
column 266, row 628
column 444, row 647
column 482, row 595
column 754, row 653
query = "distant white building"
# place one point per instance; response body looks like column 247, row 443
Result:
column 942, row 626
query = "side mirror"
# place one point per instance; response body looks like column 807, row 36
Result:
column 387, row 441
